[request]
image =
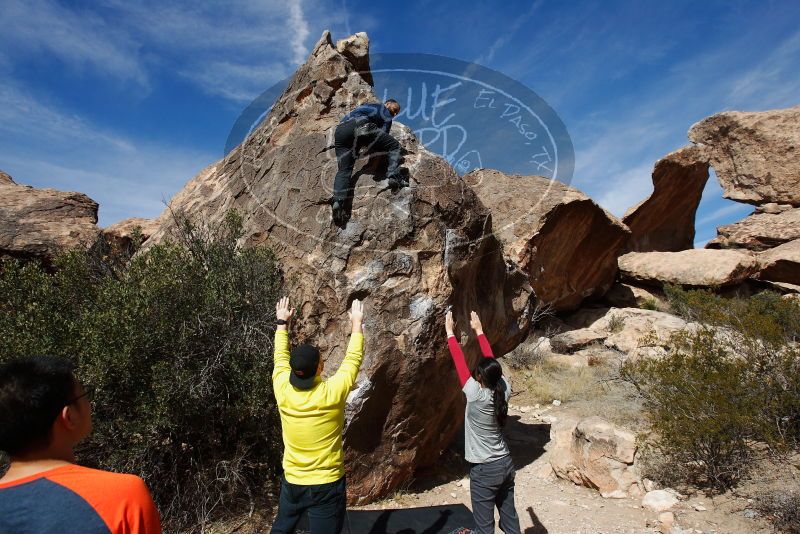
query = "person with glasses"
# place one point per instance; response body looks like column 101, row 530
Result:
column 44, row 413
column 312, row 418
column 366, row 127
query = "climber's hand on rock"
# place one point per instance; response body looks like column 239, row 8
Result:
column 449, row 323
column 475, row 323
column 356, row 314
column 282, row 310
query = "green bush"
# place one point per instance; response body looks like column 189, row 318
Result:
column 726, row 388
column 178, row 345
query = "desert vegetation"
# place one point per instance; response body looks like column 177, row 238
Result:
column 177, row 341
column 726, row 397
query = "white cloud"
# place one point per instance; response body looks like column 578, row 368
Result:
column 725, row 211
column 624, row 190
column 43, row 146
column 299, row 29
column 78, row 37
column 234, row 49
column 22, row 116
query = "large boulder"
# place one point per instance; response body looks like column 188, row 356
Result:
column 406, row 254
column 665, row 220
column 696, row 267
column 565, row 243
column 595, row 453
column 120, row 235
column 756, row 155
column 781, row 264
column 759, row 231
column 40, row 223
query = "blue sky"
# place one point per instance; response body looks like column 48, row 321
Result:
column 126, row 101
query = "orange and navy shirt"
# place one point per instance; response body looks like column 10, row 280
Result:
column 72, row 499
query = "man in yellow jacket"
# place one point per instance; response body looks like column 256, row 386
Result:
column 312, row 417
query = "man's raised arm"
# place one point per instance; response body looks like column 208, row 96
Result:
column 345, row 376
column 284, row 315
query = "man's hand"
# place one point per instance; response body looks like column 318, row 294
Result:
column 475, row 323
column 449, row 324
column 282, row 311
column 356, row 314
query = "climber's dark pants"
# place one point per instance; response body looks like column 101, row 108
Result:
column 347, row 144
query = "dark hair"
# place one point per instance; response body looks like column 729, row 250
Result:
column 393, row 101
column 491, row 373
column 33, row 390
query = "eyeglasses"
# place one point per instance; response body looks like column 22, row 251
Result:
column 88, row 392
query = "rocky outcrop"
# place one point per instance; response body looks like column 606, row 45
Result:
column 622, row 295
column 781, row 264
column 665, row 220
column 574, row 340
column 565, row 243
column 696, row 268
column 760, row 231
column 594, row 453
column 756, row 155
column 632, row 332
column 119, row 236
column 406, row 254
column 40, row 223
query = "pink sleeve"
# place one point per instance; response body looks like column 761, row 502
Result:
column 458, row 360
column 486, row 349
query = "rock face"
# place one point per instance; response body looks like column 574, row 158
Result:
column 565, row 243
column 623, row 295
column 406, row 254
column 665, row 220
column 759, row 231
column 40, row 223
column 594, row 453
column 697, row 267
column 631, row 331
column 574, row 340
column 120, row 234
column 756, row 155
column 782, row 263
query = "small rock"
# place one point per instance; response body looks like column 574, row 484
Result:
column 453, row 495
column 535, row 406
column 525, row 409
column 556, row 402
column 659, row 500
column 699, row 507
column 750, row 513
column 649, row 485
column 667, row 519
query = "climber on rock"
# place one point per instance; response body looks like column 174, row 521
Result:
column 366, row 127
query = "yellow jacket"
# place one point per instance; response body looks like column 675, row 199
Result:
column 312, row 419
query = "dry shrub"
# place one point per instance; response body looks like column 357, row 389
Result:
column 177, row 342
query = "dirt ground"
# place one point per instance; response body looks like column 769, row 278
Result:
column 547, row 505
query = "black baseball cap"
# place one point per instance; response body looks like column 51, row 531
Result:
column 304, row 360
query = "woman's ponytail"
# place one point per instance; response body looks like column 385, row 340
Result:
column 491, row 375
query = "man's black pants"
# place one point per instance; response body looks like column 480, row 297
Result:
column 347, row 144
column 325, row 503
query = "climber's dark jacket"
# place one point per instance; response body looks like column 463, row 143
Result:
column 377, row 114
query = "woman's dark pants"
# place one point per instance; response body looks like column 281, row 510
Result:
column 492, row 485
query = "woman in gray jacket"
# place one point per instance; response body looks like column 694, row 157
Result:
column 491, row 468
